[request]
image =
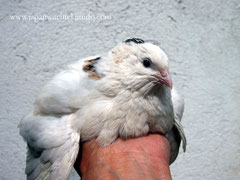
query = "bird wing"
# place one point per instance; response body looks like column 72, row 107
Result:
column 52, row 142
column 176, row 135
column 52, row 146
column 66, row 92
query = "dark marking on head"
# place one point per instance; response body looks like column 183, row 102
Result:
column 135, row 40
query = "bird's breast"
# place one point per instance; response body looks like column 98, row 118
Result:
column 128, row 115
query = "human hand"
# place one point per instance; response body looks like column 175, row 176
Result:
column 145, row 157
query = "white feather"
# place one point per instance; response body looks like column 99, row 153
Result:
column 176, row 135
column 125, row 101
column 52, row 146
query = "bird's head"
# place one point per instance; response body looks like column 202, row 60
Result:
column 140, row 64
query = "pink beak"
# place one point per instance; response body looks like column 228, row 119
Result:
column 165, row 78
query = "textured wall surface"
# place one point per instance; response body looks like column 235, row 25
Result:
column 201, row 38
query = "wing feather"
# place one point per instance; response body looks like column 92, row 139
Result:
column 176, row 135
column 66, row 92
column 52, row 146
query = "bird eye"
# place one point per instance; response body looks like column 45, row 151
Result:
column 146, row 62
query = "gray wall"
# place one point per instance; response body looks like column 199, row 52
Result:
column 201, row 38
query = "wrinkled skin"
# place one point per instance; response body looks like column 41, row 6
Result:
column 145, row 157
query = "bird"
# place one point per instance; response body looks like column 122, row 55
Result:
column 126, row 93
